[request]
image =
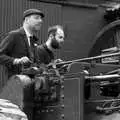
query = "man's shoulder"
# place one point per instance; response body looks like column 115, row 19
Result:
column 17, row 32
column 41, row 47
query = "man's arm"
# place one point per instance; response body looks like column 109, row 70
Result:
column 6, row 49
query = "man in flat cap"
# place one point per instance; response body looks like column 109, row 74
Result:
column 18, row 48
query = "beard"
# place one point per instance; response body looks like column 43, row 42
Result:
column 55, row 44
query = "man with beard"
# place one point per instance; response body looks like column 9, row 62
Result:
column 53, row 43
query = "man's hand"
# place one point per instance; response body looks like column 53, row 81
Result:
column 58, row 61
column 21, row 60
column 54, row 62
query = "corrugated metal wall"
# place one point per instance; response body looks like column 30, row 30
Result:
column 11, row 12
column 81, row 25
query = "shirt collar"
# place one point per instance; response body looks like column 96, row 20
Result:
column 27, row 32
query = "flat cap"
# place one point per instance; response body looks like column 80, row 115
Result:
column 33, row 11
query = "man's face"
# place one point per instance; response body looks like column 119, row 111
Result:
column 35, row 21
column 59, row 36
column 58, row 39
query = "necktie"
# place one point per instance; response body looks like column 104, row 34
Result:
column 32, row 48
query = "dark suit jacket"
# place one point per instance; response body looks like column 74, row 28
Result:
column 44, row 55
column 15, row 45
